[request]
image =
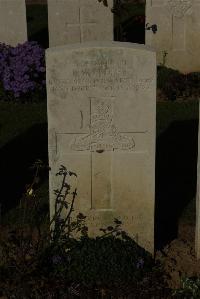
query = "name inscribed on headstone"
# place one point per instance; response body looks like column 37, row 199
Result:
column 99, row 73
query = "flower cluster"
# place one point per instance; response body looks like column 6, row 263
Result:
column 22, row 68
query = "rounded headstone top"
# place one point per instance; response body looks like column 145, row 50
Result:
column 101, row 44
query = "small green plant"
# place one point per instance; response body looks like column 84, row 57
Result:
column 47, row 261
column 190, row 288
column 165, row 53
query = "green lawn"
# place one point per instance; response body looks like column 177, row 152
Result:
column 169, row 112
column 16, row 119
column 23, row 130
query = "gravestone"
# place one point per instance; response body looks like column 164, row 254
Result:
column 13, row 28
column 101, row 125
column 76, row 21
column 178, row 23
column 197, row 235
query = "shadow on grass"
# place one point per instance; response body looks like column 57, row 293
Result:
column 16, row 158
column 176, row 165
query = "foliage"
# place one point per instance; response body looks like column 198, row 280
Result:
column 169, row 80
column 116, row 261
column 22, row 69
column 40, row 263
column 175, row 84
column 190, row 288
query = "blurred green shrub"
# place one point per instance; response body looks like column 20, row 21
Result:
column 190, row 288
column 175, row 84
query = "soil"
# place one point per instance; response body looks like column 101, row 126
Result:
column 178, row 257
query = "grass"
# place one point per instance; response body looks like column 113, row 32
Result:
column 169, row 112
column 24, row 137
column 23, row 129
column 16, row 119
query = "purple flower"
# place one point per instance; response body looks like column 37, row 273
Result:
column 22, row 68
column 140, row 263
column 56, row 259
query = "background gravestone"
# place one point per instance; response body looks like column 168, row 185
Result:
column 178, row 24
column 197, row 237
column 13, row 28
column 101, row 125
column 75, row 21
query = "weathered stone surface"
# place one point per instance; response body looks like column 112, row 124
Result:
column 75, row 21
column 101, row 125
column 178, row 24
column 197, row 235
column 13, row 28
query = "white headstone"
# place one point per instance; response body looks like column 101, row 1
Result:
column 101, row 125
column 178, row 23
column 76, row 21
column 197, row 237
column 13, row 27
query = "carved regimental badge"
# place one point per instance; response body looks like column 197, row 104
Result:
column 103, row 135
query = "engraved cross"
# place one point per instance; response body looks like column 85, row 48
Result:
column 178, row 10
column 101, row 142
column 80, row 25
